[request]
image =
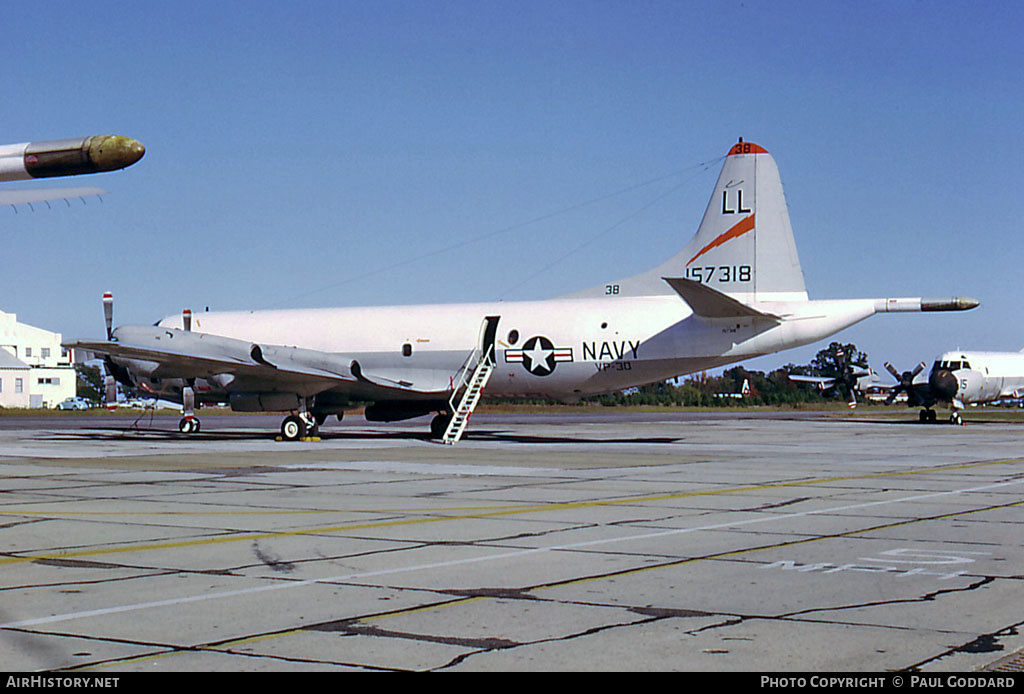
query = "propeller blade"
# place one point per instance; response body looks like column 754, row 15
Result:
column 186, row 319
column 110, row 385
column 891, row 369
column 917, row 370
column 108, row 313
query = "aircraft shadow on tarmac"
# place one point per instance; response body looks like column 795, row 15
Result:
column 144, row 433
column 916, row 423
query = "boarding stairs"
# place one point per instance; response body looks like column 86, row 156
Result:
column 472, row 382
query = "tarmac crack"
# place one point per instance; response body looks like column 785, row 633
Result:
column 985, row 643
column 273, row 561
column 927, row 597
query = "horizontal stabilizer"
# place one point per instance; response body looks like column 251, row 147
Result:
column 710, row 303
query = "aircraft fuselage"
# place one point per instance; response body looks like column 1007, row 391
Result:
column 561, row 348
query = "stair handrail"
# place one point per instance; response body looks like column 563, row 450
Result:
column 469, row 365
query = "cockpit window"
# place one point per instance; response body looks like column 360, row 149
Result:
column 966, row 365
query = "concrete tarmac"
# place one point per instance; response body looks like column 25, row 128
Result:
column 589, row 542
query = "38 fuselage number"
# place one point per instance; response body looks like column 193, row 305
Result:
column 719, row 273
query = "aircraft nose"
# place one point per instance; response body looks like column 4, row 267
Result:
column 943, row 384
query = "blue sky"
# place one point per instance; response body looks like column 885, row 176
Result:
column 360, row 153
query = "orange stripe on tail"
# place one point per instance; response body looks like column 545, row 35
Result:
column 739, row 229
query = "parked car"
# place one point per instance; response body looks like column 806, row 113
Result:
column 73, row 404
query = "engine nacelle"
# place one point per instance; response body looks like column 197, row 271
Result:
column 397, row 411
column 264, row 402
column 331, row 403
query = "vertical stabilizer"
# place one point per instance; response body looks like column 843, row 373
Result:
column 744, row 246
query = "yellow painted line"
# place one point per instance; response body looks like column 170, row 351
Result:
column 488, row 512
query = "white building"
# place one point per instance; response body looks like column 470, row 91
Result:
column 35, row 371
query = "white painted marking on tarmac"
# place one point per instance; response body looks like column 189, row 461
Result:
column 173, row 602
column 378, row 466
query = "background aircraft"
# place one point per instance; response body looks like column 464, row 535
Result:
column 52, row 158
column 735, row 291
column 960, row 379
column 855, row 378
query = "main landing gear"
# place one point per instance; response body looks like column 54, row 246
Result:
column 299, row 426
column 303, row 425
column 929, row 417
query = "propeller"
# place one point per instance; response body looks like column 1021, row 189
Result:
column 115, row 373
column 848, row 375
column 904, row 382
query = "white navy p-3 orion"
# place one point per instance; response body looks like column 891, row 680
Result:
column 961, row 378
column 736, row 291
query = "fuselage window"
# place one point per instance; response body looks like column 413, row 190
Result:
column 407, row 350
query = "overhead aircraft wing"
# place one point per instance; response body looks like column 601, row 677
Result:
column 28, row 196
column 710, row 303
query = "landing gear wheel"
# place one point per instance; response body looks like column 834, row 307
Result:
column 293, row 428
column 188, row 425
column 931, row 416
column 955, row 419
column 922, row 416
column 439, row 425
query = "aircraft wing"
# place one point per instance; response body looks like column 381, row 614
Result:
column 823, row 382
column 173, row 353
column 1012, row 392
